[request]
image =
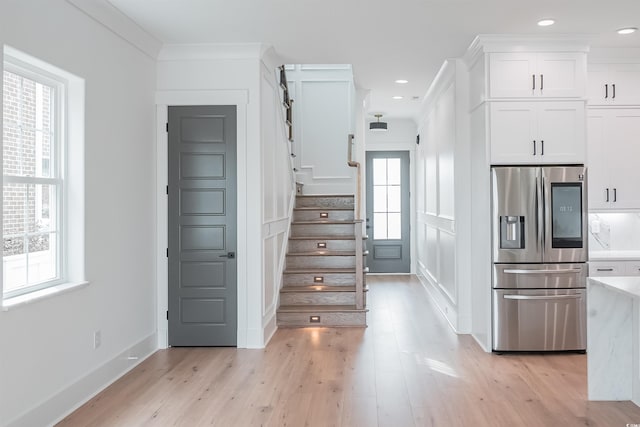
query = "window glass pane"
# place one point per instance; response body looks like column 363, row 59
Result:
column 379, row 226
column 379, row 198
column 27, row 130
column 394, row 199
column 379, row 171
column 42, row 258
column 14, row 217
column 393, row 171
column 14, row 273
column 394, row 226
column 44, row 211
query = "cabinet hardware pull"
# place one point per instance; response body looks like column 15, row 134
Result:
column 613, row 86
column 604, row 269
column 615, row 194
column 534, row 147
column 541, row 82
column 607, row 195
column 533, row 80
column 606, row 91
column 542, row 148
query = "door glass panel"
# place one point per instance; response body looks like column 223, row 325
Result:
column 394, row 199
column 566, row 211
column 393, row 171
column 379, row 198
column 394, row 228
column 379, row 171
column 379, row 226
column 387, row 199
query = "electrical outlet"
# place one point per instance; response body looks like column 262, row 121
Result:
column 97, row 339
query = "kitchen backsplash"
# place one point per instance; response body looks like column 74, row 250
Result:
column 614, row 231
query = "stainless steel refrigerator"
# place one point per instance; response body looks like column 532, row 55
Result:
column 539, row 229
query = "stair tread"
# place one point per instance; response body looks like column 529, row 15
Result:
column 323, row 195
column 320, row 208
column 319, row 270
column 314, row 288
column 334, row 237
column 323, row 252
column 319, row 309
column 325, row 221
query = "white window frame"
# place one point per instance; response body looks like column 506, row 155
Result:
column 58, row 143
column 69, row 162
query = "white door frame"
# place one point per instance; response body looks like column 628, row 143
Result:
column 164, row 99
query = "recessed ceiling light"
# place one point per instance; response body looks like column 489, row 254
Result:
column 402, row 81
column 627, row 30
column 546, row 22
column 397, row 97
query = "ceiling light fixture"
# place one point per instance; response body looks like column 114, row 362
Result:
column 546, row 22
column 378, row 126
column 402, row 81
column 397, row 97
column 628, row 30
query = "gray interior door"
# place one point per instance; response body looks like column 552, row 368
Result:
column 388, row 220
column 202, row 226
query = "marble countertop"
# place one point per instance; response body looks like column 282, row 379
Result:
column 626, row 285
column 614, row 255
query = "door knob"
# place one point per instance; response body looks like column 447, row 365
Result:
column 230, row 255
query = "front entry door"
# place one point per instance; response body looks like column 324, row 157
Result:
column 388, row 211
column 202, row 226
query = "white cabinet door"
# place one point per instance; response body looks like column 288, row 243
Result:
column 548, row 75
column 512, row 75
column 561, row 132
column 614, row 84
column 513, row 132
column 537, row 132
column 562, row 75
column 625, row 84
column 623, row 154
column 598, row 174
column 613, row 153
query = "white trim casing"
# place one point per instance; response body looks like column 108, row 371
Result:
column 164, row 99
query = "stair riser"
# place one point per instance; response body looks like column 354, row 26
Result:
column 300, row 230
column 326, row 261
column 329, row 279
column 293, row 320
column 317, row 298
column 312, row 245
column 315, row 215
column 324, row 202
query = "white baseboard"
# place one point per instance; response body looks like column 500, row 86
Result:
column 270, row 329
column 67, row 400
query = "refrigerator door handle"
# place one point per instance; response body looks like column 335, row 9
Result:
column 539, row 211
column 545, row 271
column 542, row 297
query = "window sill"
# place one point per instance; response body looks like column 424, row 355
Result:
column 11, row 303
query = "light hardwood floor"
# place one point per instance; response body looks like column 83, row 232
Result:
column 407, row 369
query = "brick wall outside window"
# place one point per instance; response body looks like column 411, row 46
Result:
column 20, row 136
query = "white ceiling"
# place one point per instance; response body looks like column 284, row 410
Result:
column 383, row 40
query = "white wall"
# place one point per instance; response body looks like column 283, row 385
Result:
column 443, row 195
column 323, row 113
column 47, row 361
column 400, row 136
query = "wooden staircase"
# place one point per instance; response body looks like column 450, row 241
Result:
column 324, row 277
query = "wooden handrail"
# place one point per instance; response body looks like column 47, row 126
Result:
column 356, row 165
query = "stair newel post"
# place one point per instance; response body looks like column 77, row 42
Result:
column 359, row 265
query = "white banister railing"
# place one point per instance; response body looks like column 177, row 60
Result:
column 353, row 164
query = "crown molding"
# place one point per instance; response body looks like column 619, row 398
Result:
column 119, row 24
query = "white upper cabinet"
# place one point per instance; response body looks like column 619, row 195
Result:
column 537, row 74
column 614, row 84
column 612, row 158
column 537, row 132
